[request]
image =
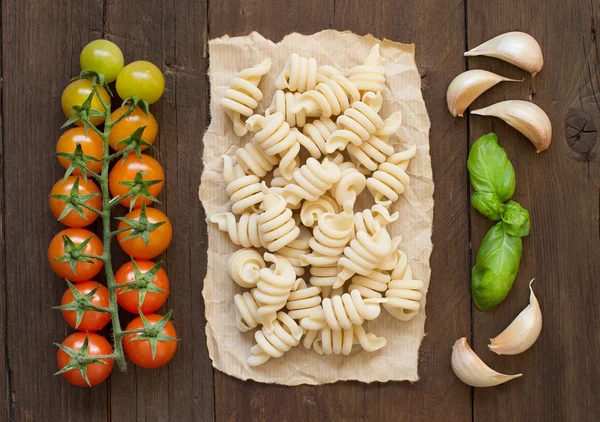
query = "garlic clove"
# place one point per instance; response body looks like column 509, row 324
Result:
column 516, row 48
column 469, row 85
column 526, row 117
column 471, row 370
column 522, row 332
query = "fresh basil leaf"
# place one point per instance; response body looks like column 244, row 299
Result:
column 516, row 219
column 490, row 169
column 496, row 267
column 488, row 204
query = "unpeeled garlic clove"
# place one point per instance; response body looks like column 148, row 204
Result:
column 516, row 48
column 522, row 332
column 471, row 370
column 526, row 117
column 469, row 85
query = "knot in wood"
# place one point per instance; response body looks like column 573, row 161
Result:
column 581, row 132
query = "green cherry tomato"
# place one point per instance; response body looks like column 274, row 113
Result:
column 141, row 79
column 104, row 57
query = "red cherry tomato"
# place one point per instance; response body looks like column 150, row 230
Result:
column 125, row 171
column 160, row 238
column 140, row 352
column 129, row 300
column 92, row 320
column 96, row 372
column 83, row 270
column 73, row 219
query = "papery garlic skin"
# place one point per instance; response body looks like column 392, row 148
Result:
column 522, row 332
column 471, row 370
column 466, row 87
column 526, row 117
column 517, row 48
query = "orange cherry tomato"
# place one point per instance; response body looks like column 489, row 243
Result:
column 76, row 93
column 91, row 320
column 91, row 145
column 140, row 352
column 129, row 124
column 129, row 300
column 159, row 237
column 73, row 219
column 83, row 270
column 126, row 171
column 96, row 372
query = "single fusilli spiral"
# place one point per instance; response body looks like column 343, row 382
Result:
column 375, row 150
column 312, row 210
column 351, row 184
column 286, row 333
column 244, row 190
column 301, row 74
column 311, row 180
column 357, row 123
column 364, row 254
column 297, row 247
column 404, row 294
column 243, row 267
column 314, row 135
column 329, row 98
column 243, row 232
column 389, row 181
column 274, row 137
column 369, row 76
column 273, row 288
column 276, row 225
column 342, row 312
column 243, row 95
column 284, row 102
column 254, row 160
column 246, row 310
column 329, row 342
column 303, row 300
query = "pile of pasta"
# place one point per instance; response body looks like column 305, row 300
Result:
column 315, row 268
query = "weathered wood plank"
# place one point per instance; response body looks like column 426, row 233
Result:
column 172, row 35
column 437, row 29
column 560, row 189
column 36, row 68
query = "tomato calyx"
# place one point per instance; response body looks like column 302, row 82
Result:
column 140, row 227
column 134, row 142
column 77, row 160
column 153, row 333
column 80, row 359
column 81, row 303
column 74, row 253
column 143, row 283
column 138, row 187
column 96, row 77
column 75, row 202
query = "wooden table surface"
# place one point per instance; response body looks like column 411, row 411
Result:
column 41, row 42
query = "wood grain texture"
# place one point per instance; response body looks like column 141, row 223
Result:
column 560, row 189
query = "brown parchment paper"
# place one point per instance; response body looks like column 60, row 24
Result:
column 229, row 348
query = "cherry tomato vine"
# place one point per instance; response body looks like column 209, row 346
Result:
column 76, row 254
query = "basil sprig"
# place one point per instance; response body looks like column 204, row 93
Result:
column 493, row 179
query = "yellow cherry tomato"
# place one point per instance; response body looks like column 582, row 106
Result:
column 141, row 79
column 104, row 57
column 76, row 93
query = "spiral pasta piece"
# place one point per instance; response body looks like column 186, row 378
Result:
column 364, row 254
column 243, row 95
column 273, row 288
column 389, row 181
column 303, row 300
column 296, row 248
column 254, row 160
column 244, row 190
column 340, row 342
column 276, row 225
column 375, row 150
column 243, row 232
column 243, row 267
column 357, row 123
column 312, row 210
column 301, row 74
column 370, row 76
column 284, row 102
column 314, row 136
column 330, row 98
column 274, row 137
column 342, row 312
column 404, row 294
column 278, row 183
column 311, row 181
column 351, row 184
column 372, row 285
column 373, row 218
column 274, row 343
column 246, row 310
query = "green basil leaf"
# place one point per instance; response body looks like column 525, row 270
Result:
column 488, row 204
column 516, row 219
column 490, row 169
column 496, row 267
